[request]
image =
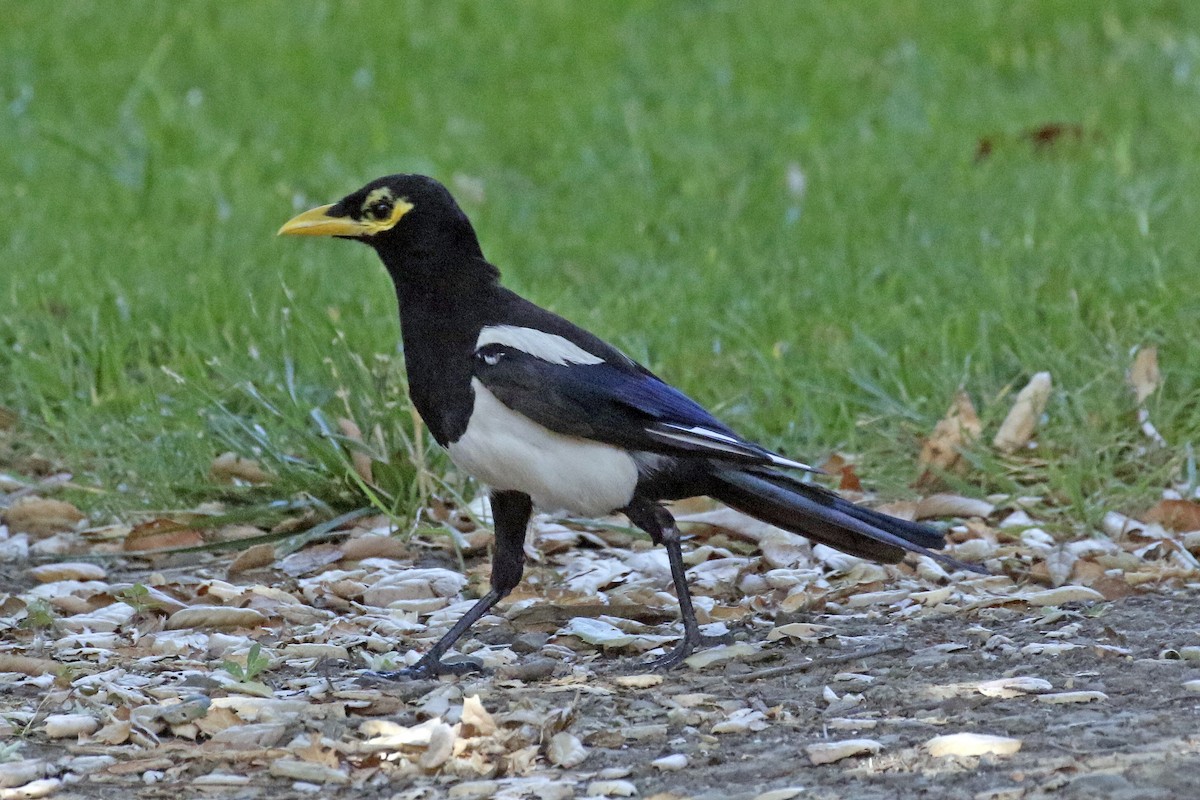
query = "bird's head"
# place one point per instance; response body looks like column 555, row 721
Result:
column 400, row 216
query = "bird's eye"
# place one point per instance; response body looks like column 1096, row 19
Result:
column 380, row 210
column 491, row 354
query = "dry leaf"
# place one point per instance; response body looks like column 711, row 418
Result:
column 837, row 464
column 972, row 744
column 1072, row 697
column 1013, row 687
column 952, row 505
column 1143, row 375
column 254, row 557
column 360, row 460
column 611, row 788
column 373, row 546
column 162, row 534
column 41, row 516
column 1175, row 515
column 67, row 571
column 476, row 718
column 828, row 752
column 1061, row 595
column 1018, row 427
column 671, row 763
column 230, row 467
column 961, row 426
column 60, row 726
column 565, row 750
column 27, row 665
column 306, row 771
column 441, row 746
column 221, row 617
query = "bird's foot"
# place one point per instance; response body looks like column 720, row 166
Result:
column 429, row 669
column 685, row 649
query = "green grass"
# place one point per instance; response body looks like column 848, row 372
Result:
column 634, row 163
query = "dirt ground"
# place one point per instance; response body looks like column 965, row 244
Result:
column 920, row 678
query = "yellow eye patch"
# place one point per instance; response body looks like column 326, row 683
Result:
column 380, row 211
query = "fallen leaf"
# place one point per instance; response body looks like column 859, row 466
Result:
column 565, row 750
column 1143, row 376
column 27, row 665
column 441, row 746
column 1061, row 595
column 952, row 505
column 61, row 726
column 41, row 516
column 162, row 534
column 306, row 771
column 254, row 557
column 1071, row 697
column 837, row 464
column 476, row 717
column 1018, row 427
column 955, row 431
column 230, row 467
column 221, row 617
column 972, row 744
column 828, row 752
column 67, row 571
column 1175, row 515
column 360, row 460
column 1013, row 687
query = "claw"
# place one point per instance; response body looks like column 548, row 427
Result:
column 684, row 649
column 429, row 669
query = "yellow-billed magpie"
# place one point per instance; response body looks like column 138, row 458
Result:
column 547, row 415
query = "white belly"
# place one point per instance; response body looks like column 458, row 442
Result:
column 510, row 452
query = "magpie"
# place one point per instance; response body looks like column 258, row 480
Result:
column 549, row 416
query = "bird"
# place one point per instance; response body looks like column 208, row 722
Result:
column 549, row 416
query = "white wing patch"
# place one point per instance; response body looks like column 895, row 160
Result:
column 546, row 346
column 720, row 442
column 509, row 451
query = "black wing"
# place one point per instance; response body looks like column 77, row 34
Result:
column 617, row 403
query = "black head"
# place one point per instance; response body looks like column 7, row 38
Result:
column 402, row 216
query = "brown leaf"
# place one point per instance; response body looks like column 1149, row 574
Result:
column 160, row 534
column 952, row 505
column 1018, row 427
column 1143, row 376
column 373, row 546
column 27, row 665
column 259, row 555
column 8, row 418
column 219, row 617
column 837, row 464
column 230, row 467
column 849, row 481
column 1175, row 515
column 316, row 753
column 361, row 461
column 41, row 516
column 961, row 425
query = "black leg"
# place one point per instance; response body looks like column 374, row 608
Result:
column 658, row 522
column 511, row 511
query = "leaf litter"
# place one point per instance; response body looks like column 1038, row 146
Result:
column 173, row 660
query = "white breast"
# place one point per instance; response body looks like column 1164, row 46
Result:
column 509, row 451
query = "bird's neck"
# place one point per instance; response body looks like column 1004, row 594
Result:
column 444, row 303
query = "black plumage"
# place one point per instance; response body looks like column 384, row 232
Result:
column 548, row 414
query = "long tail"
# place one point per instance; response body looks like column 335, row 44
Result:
column 820, row 515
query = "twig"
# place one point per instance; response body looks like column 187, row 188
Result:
column 792, row 669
